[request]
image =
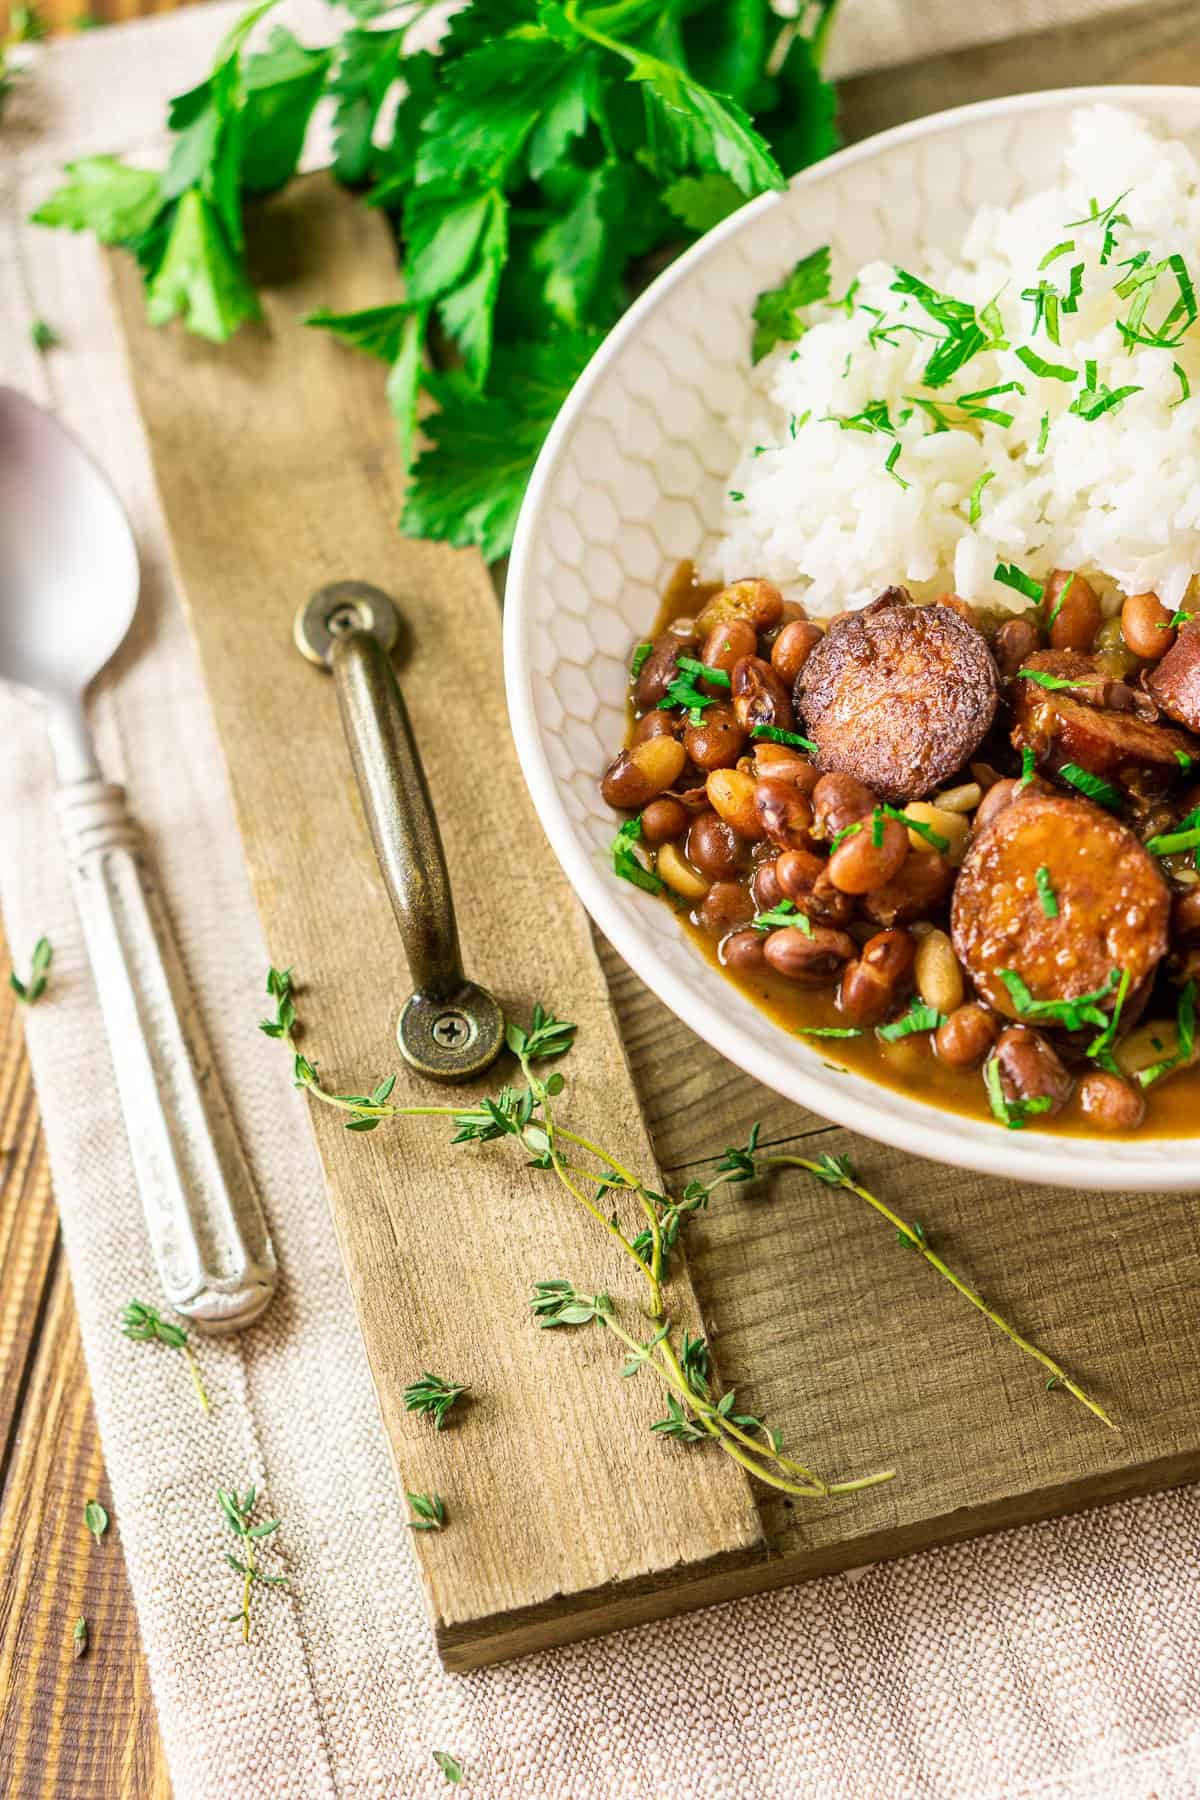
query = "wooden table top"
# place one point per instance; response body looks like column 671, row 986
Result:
column 87, row 1727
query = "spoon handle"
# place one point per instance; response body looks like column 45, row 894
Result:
column 206, row 1226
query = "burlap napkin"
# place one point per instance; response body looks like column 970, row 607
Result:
column 1059, row 1660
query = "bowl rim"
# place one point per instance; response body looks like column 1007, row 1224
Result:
column 917, row 1126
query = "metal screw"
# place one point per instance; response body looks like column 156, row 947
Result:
column 452, row 1030
column 342, row 619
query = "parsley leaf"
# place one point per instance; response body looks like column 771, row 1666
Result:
column 468, row 487
column 103, row 196
column 775, row 309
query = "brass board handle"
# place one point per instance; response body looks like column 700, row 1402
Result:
column 450, row 1029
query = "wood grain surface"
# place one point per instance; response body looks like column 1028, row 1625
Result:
column 87, row 1728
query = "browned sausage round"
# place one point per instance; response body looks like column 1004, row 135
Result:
column 1031, row 1070
column 1074, row 725
column 901, row 696
column 1175, row 681
column 1112, row 903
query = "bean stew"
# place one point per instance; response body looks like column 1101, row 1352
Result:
column 954, row 851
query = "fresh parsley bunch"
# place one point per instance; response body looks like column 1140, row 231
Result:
column 536, row 168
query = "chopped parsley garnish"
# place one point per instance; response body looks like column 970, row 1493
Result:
column 776, row 319
column 1046, row 893
column 1183, row 759
column 847, row 831
column 974, row 506
column 1053, row 682
column 830, row 1031
column 878, row 822
column 1047, row 302
column 893, row 457
column 1044, row 433
column 683, row 691
column 1185, row 386
column 873, row 417
column 1068, row 584
column 970, row 405
column 1028, row 764
column 1100, row 1048
column 1094, row 399
column 1072, row 1015
column 1053, row 255
column 639, row 660
column 1186, row 836
column 775, row 734
column 1110, row 218
column 1141, row 282
column 784, row 913
column 1185, row 1036
column 922, row 830
column 919, row 1017
column 1094, row 786
column 628, row 864
column 967, row 332
column 1037, row 365
column 1011, row 1113
column 1179, row 617
column 1016, row 578
column 703, row 671
column 736, row 494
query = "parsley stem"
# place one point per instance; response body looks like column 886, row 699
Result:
column 916, row 1240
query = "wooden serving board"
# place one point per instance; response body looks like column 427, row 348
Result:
column 275, row 462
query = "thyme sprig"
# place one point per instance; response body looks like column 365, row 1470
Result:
column 145, row 1325
column 839, row 1172
column 430, row 1510
column 28, row 992
column 239, row 1516
column 597, row 1180
column 434, row 1396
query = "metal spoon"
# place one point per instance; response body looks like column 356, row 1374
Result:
column 68, row 593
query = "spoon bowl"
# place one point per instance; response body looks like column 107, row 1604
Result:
column 68, row 562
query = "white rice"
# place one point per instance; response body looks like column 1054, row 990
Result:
column 1116, row 497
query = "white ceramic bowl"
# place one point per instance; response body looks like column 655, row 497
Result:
column 632, row 478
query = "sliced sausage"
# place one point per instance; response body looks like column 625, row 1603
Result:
column 899, row 695
column 1112, row 903
column 1175, row 681
column 1077, row 725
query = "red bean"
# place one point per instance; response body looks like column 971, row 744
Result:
column 965, row 1039
column 713, row 847
column 725, row 906
column 814, row 960
column 877, row 979
column 759, row 696
column 859, row 865
column 1030, row 1069
column 839, row 800
column 1014, row 643
column 745, row 952
column 792, row 648
column 726, row 645
column 784, row 814
column 1109, row 1103
column 716, row 743
column 664, row 819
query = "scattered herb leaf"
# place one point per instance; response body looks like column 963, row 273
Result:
column 144, row 1324
column 29, row 992
column 432, row 1395
column 96, row 1519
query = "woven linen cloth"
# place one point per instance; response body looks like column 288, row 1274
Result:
column 1059, row 1660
